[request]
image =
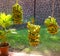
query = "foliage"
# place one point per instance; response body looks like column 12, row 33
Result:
column 5, row 21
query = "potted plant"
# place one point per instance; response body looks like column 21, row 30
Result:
column 5, row 22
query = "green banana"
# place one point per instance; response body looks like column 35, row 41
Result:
column 17, row 13
column 50, row 20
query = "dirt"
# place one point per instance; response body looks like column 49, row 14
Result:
column 36, row 53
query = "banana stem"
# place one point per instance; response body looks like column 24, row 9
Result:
column 16, row 1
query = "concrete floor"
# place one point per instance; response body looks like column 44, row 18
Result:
column 23, row 54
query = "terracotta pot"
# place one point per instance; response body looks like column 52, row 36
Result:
column 4, row 50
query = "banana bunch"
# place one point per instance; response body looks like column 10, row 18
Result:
column 17, row 14
column 52, row 25
column 33, row 34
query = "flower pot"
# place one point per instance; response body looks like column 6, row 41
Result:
column 4, row 49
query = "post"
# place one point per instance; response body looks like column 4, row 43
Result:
column 34, row 9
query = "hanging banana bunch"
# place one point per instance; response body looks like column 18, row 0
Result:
column 51, row 24
column 17, row 13
column 33, row 35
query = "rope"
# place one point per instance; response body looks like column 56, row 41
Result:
column 53, row 2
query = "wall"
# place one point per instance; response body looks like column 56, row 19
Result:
column 43, row 9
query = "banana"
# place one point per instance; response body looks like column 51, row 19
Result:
column 33, row 34
column 17, row 13
column 47, row 22
column 50, row 20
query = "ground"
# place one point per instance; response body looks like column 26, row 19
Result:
column 49, row 44
column 33, row 53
